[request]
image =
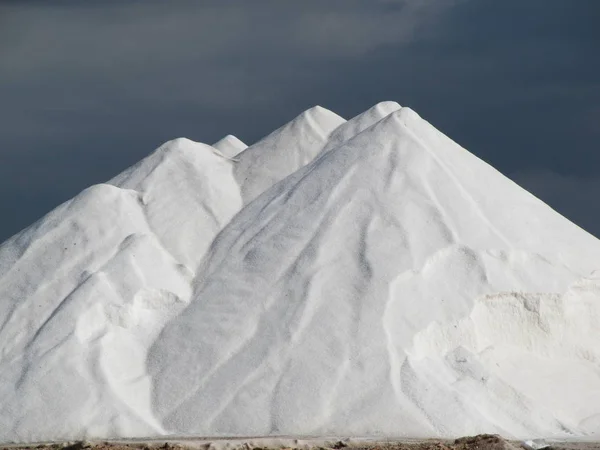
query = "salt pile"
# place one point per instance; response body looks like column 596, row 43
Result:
column 358, row 277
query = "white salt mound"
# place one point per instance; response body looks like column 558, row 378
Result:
column 359, row 277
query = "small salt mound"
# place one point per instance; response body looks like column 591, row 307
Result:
column 230, row 146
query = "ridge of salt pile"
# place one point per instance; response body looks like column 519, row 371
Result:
column 359, row 277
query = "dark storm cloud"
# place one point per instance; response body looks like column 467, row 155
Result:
column 88, row 88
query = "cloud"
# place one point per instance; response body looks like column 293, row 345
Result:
column 215, row 56
column 88, row 88
column 118, row 37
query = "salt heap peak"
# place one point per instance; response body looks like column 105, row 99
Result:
column 341, row 278
column 357, row 124
column 230, row 146
column 284, row 151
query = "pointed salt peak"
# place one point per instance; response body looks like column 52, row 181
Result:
column 230, row 139
column 372, row 115
column 406, row 113
column 360, row 123
column 285, row 150
column 172, row 150
column 184, row 146
column 427, row 133
column 385, row 108
column 230, row 146
column 98, row 191
column 403, row 117
column 398, row 123
column 176, row 144
column 320, row 111
column 317, row 118
column 167, row 148
column 322, row 117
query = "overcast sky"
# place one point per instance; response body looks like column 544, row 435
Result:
column 89, row 87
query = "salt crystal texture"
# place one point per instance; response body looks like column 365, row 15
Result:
column 361, row 277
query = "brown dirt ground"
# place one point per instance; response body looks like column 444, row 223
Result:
column 480, row 442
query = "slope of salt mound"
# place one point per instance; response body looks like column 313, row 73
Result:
column 189, row 195
column 359, row 123
column 309, row 299
column 88, row 288
column 516, row 345
column 284, row 151
column 230, row 146
column 510, row 220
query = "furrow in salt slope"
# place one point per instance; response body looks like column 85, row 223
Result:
column 284, row 151
column 308, row 299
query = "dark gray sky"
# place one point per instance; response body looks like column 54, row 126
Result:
column 89, row 87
